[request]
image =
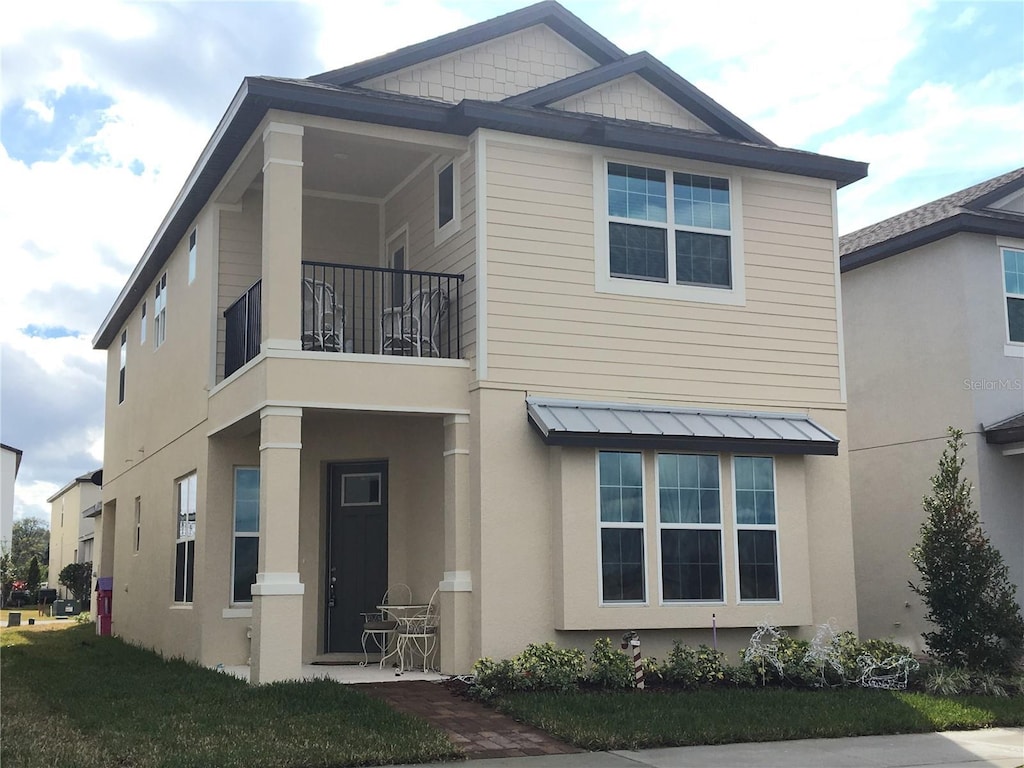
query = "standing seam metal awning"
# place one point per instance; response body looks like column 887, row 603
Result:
column 628, row 425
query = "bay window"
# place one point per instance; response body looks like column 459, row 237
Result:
column 622, row 527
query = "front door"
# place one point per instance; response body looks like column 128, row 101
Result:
column 357, row 550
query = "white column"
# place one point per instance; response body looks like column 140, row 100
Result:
column 277, row 594
column 457, row 586
column 282, row 236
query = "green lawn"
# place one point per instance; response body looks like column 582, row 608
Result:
column 635, row 720
column 71, row 698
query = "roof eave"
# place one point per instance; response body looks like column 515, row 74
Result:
column 966, row 221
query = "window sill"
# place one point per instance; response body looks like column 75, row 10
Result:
column 1014, row 350
column 626, row 604
column 649, row 289
column 693, row 603
column 236, row 613
column 181, row 606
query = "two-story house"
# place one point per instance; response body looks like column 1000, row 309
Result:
column 933, row 302
column 73, row 512
column 510, row 314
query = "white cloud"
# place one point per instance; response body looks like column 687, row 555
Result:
column 966, row 18
column 30, row 499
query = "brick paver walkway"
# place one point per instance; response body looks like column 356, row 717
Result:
column 480, row 732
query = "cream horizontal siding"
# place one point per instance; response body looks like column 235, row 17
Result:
column 240, row 260
column 413, row 207
column 550, row 331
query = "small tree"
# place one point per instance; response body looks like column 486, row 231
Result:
column 6, row 575
column 964, row 582
column 33, row 578
column 77, row 577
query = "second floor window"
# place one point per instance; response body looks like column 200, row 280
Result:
column 142, row 325
column 1013, row 282
column 124, row 362
column 191, row 257
column 160, row 311
column 669, row 227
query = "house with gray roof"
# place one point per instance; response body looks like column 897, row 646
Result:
column 933, row 311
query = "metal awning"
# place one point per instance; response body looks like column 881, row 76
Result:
column 1007, row 431
column 629, row 425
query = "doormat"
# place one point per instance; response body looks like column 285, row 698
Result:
column 335, row 663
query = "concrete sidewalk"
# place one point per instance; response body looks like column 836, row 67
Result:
column 996, row 747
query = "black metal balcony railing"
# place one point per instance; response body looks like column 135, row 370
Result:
column 368, row 310
column 242, row 337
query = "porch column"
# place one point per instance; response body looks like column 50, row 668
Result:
column 282, row 237
column 457, row 585
column 277, row 593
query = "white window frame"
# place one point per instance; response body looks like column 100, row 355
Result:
column 236, row 534
column 192, row 254
column 186, row 501
column 603, row 280
column 137, row 535
column 443, row 232
column 142, row 325
column 123, row 370
column 160, row 312
column 1013, row 348
column 690, row 527
column 737, row 527
column 642, row 526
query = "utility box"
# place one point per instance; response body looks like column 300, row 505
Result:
column 66, row 608
column 104, row 604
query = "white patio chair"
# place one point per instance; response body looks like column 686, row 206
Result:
column 414, row 328
column 323, row 318
column 380, row 625
column 417, row 635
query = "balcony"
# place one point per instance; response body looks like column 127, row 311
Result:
column 363, row 310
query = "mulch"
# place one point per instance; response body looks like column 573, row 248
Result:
column 478, row 730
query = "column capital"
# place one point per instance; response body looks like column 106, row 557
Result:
column 289, row 128
column 280, row 410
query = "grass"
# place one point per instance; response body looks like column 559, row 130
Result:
column 105, row 703
column 634, row 720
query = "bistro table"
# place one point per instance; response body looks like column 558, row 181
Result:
column 401, row 614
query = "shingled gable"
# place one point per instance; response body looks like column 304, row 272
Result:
column 643, row 64
column 549, row 13
column 969, row 210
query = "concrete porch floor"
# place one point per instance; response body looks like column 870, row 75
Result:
column 348, row 673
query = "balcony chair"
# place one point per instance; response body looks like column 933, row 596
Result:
column 418, row 635
column 323, row 318
column 380, row 625
column 413, row 329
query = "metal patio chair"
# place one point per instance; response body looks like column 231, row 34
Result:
column 323, row 318
column 413, row 329
column 418, row 635
column 380, row 625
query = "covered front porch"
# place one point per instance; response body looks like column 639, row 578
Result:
column 349, row 503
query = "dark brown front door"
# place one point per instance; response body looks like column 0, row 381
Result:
column 357, row 550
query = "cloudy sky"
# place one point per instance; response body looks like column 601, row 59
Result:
column 107, row 105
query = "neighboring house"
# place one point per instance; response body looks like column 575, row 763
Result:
column 73, row 512
column 933, row 303
column 614, row 398
column 10, row 463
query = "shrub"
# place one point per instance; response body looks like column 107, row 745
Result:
column 691, row 668
column 538, row 668
column 609, row 667
column 964, row 583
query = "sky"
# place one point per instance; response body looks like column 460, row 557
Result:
column 107, row 105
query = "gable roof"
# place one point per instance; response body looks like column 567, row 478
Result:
column 571, row 27
column 964, row 211
column 337, row 94
column 643, row 64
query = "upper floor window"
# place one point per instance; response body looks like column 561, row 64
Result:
column 671, row 235
column 446, row 200
column 137, row 540
column 185, row 540
column 621, row 513
column 142, row 325
column 1013, row 283
column 191, row 257
column 124, row 362
column 160, row 311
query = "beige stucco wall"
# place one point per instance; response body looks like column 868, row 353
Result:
column 491, row 71
column 925, row 338
column 539, row 521
column 9, row 460
column 633, row 98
